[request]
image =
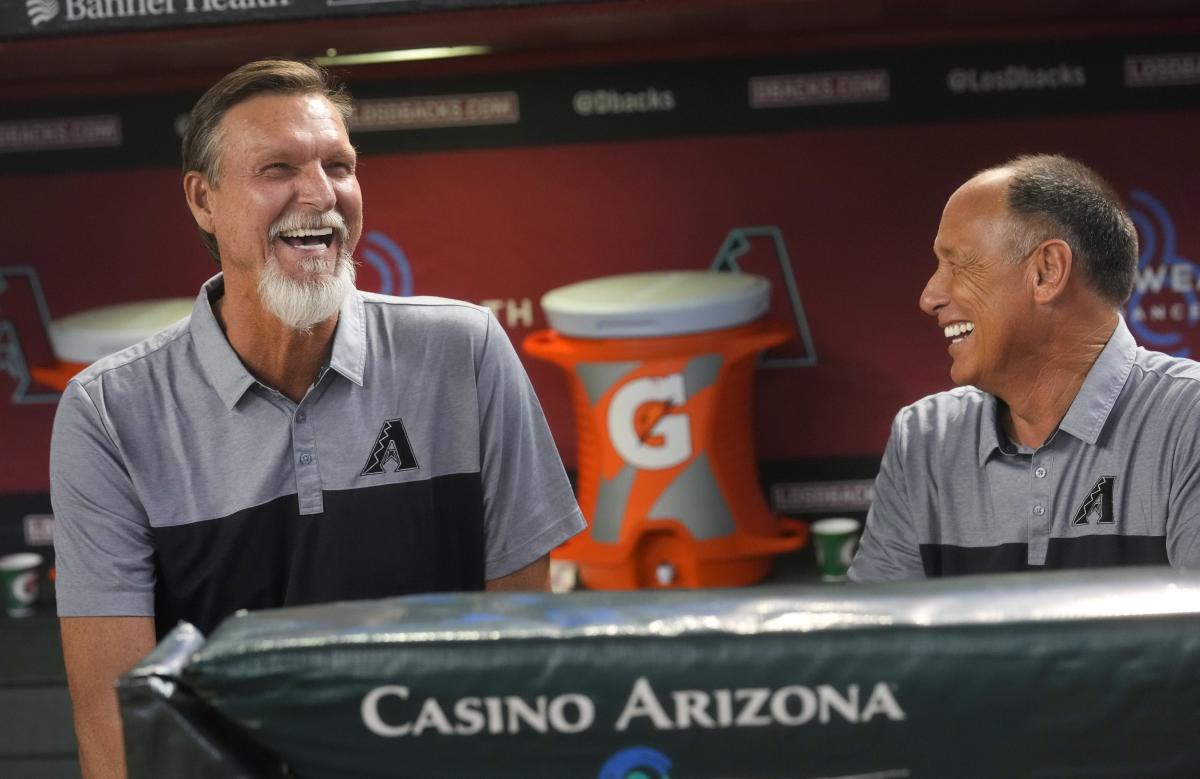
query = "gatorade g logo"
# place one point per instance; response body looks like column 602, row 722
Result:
column 644, row 428
column 24, row 588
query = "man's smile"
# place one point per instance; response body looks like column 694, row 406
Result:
column 958, row 331
column 311, row 238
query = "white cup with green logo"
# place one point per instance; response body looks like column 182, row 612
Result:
column 835, row 541
column 19, row 576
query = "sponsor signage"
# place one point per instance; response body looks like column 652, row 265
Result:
column 1161, row 70
column 419, row 113
column 77, row 15
column 666, row 100
column 79, row 132
column 822, row 496
column 805, row 89
column 791, row 705
column 609, row 102
column 58, row 17
column 1015, row 78
column 870, row 681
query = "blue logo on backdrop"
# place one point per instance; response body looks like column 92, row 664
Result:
column 636, row 763
column 1163, row 306
column 389, row 261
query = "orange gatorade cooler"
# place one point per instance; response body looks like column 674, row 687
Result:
column 660, row 367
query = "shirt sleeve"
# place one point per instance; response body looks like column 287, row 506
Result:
column 1183, row 506
column 529, row 507
column 104, row 553
column 889, row 550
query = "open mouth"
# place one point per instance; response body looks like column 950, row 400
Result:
column 315, row 238
column 959, row 331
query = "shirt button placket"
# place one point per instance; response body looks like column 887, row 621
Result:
column 1039, row 530
column 308, row 475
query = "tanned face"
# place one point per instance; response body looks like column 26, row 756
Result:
column 287, row 191
column 980, row 298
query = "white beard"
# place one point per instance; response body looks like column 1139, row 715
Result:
column 302, row 304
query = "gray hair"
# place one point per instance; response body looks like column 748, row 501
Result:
column 1052, row 196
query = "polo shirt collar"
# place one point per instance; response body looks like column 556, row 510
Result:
column 1096, row 397
column 219, row 362
column 989, row 428
column 349, row 355
column 224, row 369
column 1091, row 407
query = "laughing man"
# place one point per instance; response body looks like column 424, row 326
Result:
column 1065, row 444
column 295, row 441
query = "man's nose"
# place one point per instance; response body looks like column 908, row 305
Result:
column 315, row 189
column 934, row 296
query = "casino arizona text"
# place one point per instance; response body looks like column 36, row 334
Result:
column 789, row 706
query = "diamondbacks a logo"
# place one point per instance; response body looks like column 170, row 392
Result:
column 41, row 11
column 1098, row 502
column 391, row 448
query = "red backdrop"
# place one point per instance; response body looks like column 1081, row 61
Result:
column 857, row 210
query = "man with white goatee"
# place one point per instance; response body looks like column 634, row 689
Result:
column 295, row 440
column 1065, row 445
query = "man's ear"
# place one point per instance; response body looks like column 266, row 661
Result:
column 1051, row 265
column 198, row 191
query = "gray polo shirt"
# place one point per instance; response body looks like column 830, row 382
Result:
column 1118, row 483
column 419, row 460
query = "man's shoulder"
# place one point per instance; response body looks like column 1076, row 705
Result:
column 152, row 354
column 947, row 408
column 1178, row 371
column 423, row 306
column 424, row 319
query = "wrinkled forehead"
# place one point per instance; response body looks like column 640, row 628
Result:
column 269, row 122
column 977, row 212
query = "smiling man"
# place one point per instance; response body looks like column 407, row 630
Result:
column 1065, row 444
column 294, row 441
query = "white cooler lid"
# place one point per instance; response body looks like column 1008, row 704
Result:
column 658, row 303
column 98, row 332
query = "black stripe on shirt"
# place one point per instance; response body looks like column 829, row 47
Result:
column 373, row 542
column 950, row 560
column 1106, row 550
column 1094, row 551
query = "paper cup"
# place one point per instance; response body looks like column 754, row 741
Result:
column 19, row 575
column 834, row 541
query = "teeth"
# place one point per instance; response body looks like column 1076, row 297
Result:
column 304, row 233
column 958, row 328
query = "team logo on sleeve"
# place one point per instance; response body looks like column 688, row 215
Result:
column 1099, row 503
column 391, row 451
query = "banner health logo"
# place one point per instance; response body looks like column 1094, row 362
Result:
column 1163, row 310
column 389, row 262
column 41, row 11
column 636, row 763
